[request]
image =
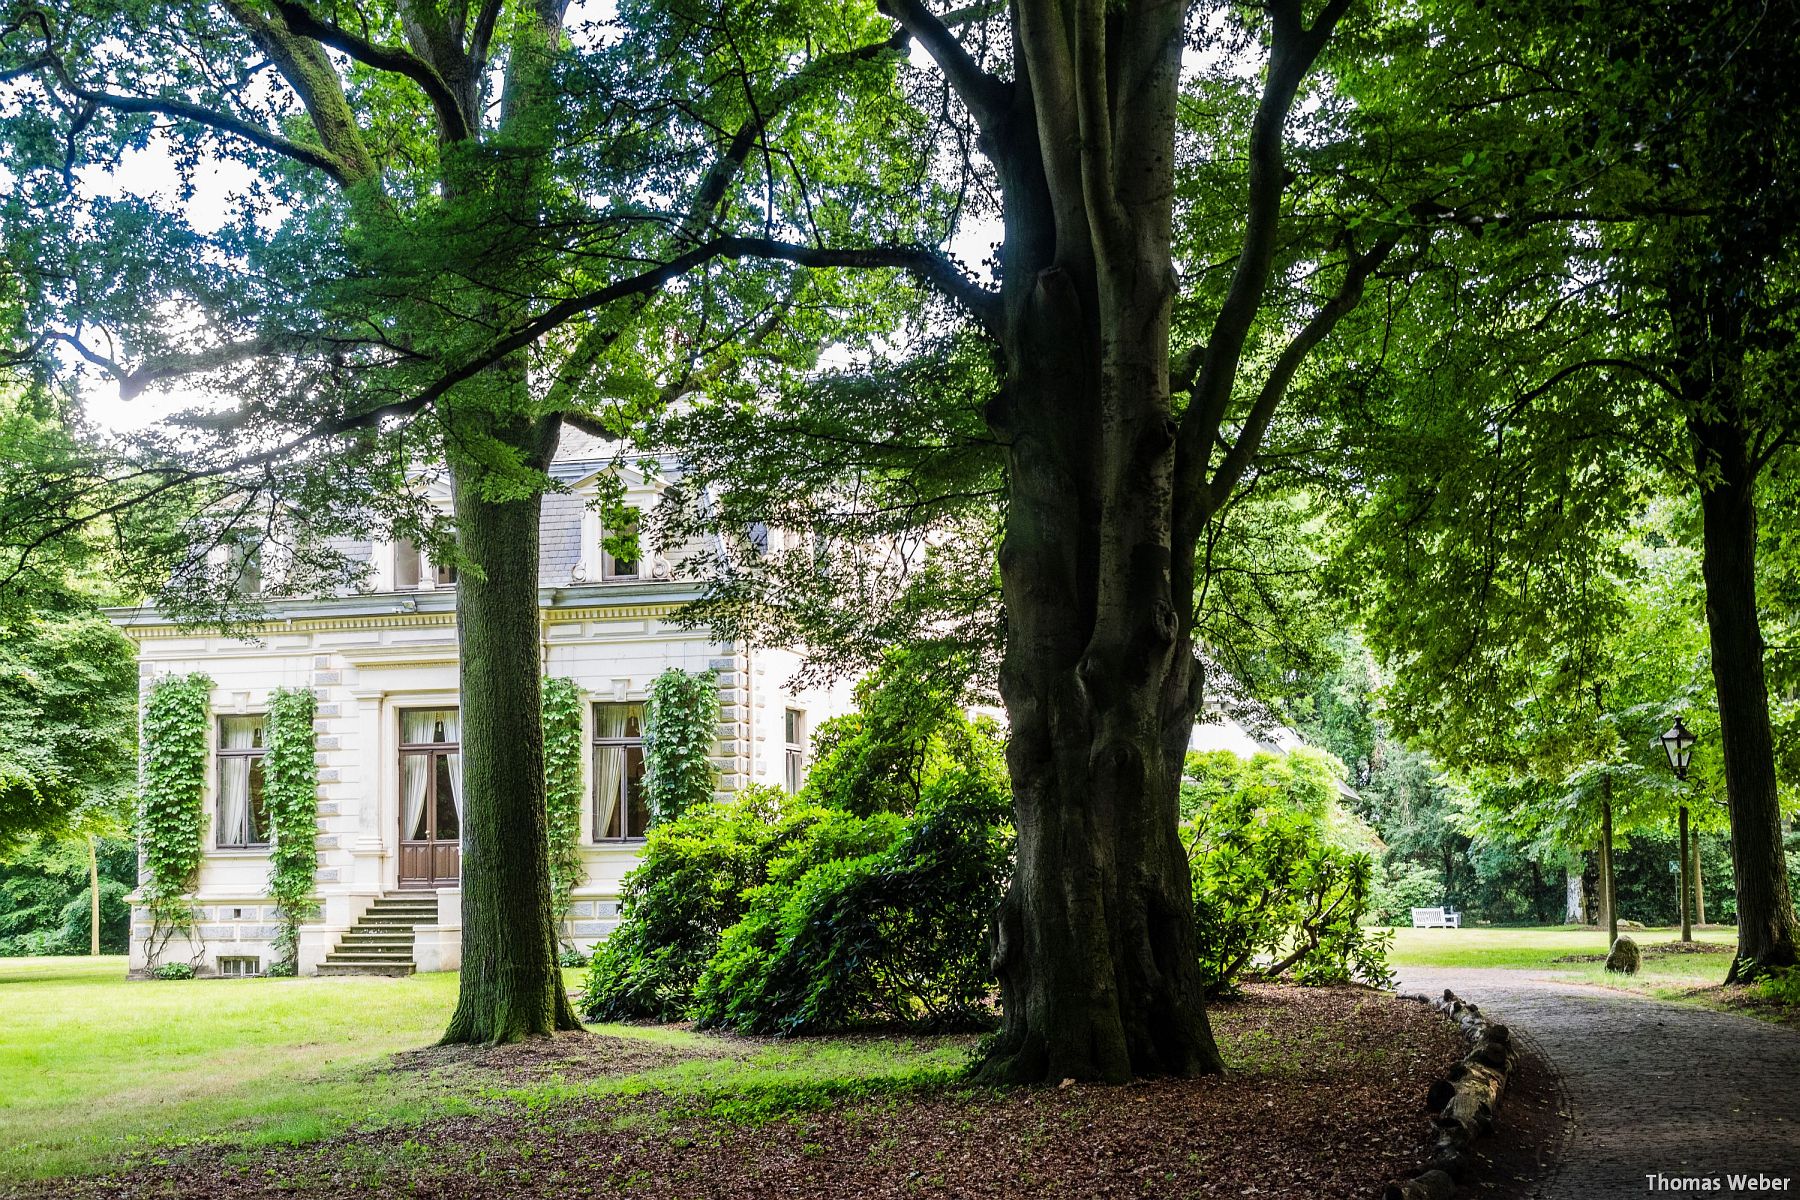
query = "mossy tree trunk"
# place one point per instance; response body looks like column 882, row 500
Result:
column 511, row 986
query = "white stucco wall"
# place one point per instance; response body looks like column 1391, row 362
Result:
column 366, row 658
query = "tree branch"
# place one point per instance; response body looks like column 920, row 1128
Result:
column 312, row 156
column 985, row 95
column 451, row 118
column 1238, row 458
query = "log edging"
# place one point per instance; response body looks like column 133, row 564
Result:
column 1464, row 1104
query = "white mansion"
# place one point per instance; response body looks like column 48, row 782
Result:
column 382, row 666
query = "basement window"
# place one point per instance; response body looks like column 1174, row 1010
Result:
column 240, row 966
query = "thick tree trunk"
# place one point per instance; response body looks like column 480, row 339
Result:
column 511, row 986
column 1537, row 892
column 1609, row 899
column 1574, row 911
column 1681, row 875
column 1094, row 944
column 1766, row 926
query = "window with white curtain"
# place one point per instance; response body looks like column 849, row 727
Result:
column 242, row 821
column 430, row 774
column 793, row 764
column 619, row 809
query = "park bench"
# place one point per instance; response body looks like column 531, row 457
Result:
column 1436, row 918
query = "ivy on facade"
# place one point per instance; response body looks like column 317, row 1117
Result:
column 291, row 800
column 562, row 789
column 171, row 817
column 680, row 723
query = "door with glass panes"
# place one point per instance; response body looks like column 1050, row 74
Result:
column 430, row 798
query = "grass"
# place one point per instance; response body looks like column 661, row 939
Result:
column 1537, row 949
column 94, row 1066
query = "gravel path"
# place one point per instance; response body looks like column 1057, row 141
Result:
column 1651, row 1088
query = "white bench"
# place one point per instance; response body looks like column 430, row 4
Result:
column 1436, row 918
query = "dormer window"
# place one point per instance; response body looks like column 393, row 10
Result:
column 408, row 565
column 618, row 566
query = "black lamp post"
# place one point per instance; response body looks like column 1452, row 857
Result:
column 1678, row 744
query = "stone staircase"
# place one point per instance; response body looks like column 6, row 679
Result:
column 382, row 942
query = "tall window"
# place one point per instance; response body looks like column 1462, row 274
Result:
column 619, row 809
column 430, row 775
column 242, row 821
column 618, row 566
column 794, row 757
column 406, row 565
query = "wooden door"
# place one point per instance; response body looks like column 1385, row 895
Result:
column 430, row 800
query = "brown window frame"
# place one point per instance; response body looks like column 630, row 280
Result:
column 598, row 742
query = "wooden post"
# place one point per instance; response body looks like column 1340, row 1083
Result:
column 93, row 898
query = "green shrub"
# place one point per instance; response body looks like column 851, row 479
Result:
column 1273, row 892
column 1402, row 887
column 173, row 970
column 895, row 934
column 1782, row 987
column 864, row 898
column 684, row 892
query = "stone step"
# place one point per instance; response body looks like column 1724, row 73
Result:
column 385, row 922
column 358, row 937
column 338, row 957
column 391, row 969
column 360, row 949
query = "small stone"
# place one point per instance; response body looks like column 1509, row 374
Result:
column 1625, row 958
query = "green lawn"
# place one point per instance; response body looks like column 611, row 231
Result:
column 1537, row 949
column 93, row 1065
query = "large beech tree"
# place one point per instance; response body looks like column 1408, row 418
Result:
column 1135, row 362
column 455, row 228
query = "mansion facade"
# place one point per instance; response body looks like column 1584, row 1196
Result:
column 382, row 666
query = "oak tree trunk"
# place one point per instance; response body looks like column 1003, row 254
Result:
column 511, row 986
column 1766, row 924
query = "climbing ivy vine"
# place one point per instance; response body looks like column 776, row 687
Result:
column 291, row 800
column 562, row 789
column 171, row 817
column 679, row 725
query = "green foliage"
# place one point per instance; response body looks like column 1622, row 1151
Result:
column 45, row 904
column 173, row 970
column 686, row 890
column 562, row 790
column 680, row 726
column 1402, row 887
column 171, row 821
column 1781, row 987
column 771, row 913
column 894, row 934
column 68, row 679
column 291, row 799
column 908, row 728
column 1270, row 881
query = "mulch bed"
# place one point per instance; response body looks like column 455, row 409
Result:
column 568, row 1056
column 1324, row 1100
